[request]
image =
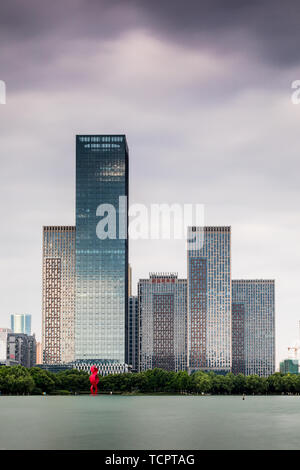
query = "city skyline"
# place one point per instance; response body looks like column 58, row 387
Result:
column 204, row 97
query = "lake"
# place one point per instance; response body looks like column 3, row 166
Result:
column 149, row 422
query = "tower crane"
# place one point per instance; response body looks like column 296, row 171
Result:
column 294, row 349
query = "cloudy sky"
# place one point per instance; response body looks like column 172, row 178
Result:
column 202, row 89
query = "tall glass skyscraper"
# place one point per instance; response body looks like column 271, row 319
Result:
column 101, row 248
column 209, row 299
column 20, row 323
column 253, row 326
column 163, row 322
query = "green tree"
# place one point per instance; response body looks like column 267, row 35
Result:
column 239, row 384
column 256, row 384
column 275, row 383
column 202, row 382
column 43, row 379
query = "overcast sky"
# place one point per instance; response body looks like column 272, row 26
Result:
column 202, row 90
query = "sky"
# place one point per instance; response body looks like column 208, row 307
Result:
column 202, row 90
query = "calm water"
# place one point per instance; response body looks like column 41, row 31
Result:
column 149, row 422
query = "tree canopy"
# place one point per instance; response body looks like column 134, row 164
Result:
column 18, row 380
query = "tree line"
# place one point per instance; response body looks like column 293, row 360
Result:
column 19, row 380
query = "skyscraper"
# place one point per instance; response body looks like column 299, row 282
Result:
column 163, row 322
column 238, row 338
column 133, row 333
column 253, row 325
column 129, row 281
column 58, row 294
column 101, row 249
column 20, row 323
column 39, row 353
column 209, row 298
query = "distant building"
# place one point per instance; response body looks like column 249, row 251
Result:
column 104, row 367
column 209, row 299
column 39, row 353
column 3, row 343
column 21, row 323
column 163, row 322
column 21, row 350
column 133, row 333
column 253, row 327
column 289, row 366
column 55, row 368
column 58, row 294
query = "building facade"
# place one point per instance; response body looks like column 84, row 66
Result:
column 163, row 322
column 104, row 367
column 129, row 281
column 253, row 327
column 101, row 318
column 238, row 338
column 209, row 299
column 3, row 344
column 21, row 350
column 133, row 333
column 39, row 353
column 289, row 366
column 20, row 323
column 58, row 294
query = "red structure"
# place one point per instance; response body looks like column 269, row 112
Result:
column 94, row 379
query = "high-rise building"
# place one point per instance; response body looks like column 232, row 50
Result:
column 209, row 299
column 58, row 294
column 238, row 338
column 133, row 333
column 39, row 353
column 20, row 323
column 3, row 344
column 21, row 350
column 129, row 281
column 101, row 328
column 163, row 322
column 253, row 327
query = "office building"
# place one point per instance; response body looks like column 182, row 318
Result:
column 21, row 350
column 238, row 338
column 253, row 327
column 209, row 299
column 58, row 294
column 133, row 333
column 163, row 322
column 101, row 328
column 129, row 281
column 3, row 344
column 21, row 323
column 39, row 353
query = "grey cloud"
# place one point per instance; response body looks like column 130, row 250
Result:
column 269, row 27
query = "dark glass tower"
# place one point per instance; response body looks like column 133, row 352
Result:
column 101, row 248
